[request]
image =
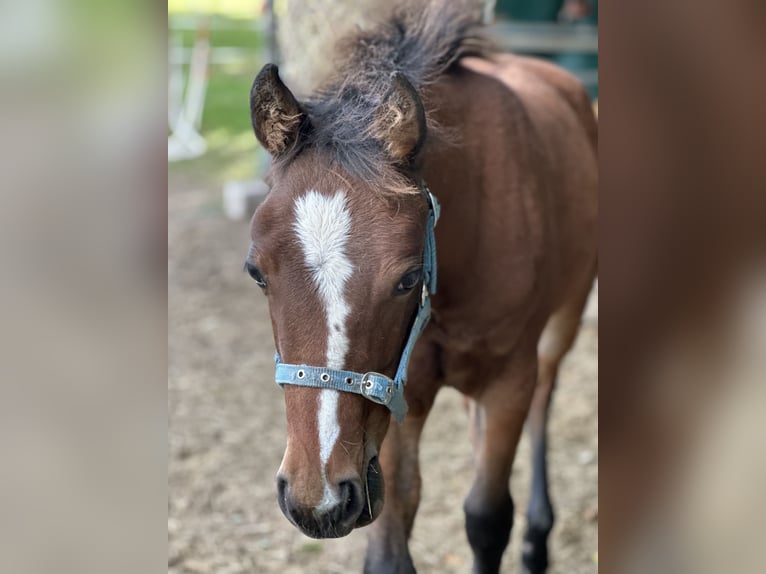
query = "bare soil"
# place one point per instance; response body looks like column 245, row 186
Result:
column 227, row 431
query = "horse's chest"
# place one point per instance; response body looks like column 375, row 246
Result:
column 470, row 372
column 471, row 363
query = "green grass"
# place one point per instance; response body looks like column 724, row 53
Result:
column 232, row 148
column 231, row 8
column 226, row 31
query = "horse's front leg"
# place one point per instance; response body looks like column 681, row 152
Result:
column 498, row 415
column 387, row 550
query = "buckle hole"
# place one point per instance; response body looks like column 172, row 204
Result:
column 301, row 374
column 325, row 377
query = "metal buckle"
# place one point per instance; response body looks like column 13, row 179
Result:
column 368, row 384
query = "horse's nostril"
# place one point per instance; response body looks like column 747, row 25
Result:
column 351, row 500
column 281, row 487
column 282, row 495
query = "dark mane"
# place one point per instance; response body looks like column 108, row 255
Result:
column 422, row 43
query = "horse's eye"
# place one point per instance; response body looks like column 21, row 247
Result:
column 408, row 282
column 256, row 274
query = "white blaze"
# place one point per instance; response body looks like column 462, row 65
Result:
column 328, row 434
column 323, row 226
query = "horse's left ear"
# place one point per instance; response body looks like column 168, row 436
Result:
column 276, row 115
column 400, row 122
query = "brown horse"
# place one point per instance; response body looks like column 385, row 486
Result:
column 508, row 146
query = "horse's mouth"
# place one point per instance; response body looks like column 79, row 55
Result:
column 373, row 492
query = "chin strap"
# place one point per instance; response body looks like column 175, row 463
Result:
column 375, row 386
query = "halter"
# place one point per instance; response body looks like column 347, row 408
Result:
column 375, row 386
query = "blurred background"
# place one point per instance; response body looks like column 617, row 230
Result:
column 91, row 480
column 216, row 47
column 226, row 415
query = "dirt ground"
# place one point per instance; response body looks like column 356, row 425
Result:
column 227, row 437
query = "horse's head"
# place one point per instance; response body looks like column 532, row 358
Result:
column 340, row 259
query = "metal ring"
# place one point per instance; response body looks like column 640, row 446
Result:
column 325, row 377
column 349, row 381
column 301, row 374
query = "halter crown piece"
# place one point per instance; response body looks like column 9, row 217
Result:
column 374, row 386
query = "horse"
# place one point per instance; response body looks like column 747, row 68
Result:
column 420, row 120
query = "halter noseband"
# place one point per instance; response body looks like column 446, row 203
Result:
column 374, row 386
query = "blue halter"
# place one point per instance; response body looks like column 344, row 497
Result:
column 374, row 386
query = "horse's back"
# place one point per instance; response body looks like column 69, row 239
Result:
column 564, row 186
column 517, row 180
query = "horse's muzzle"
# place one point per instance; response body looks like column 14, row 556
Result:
column 332, row 522
column 358, row 505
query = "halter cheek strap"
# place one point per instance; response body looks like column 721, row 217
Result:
column 375, row 386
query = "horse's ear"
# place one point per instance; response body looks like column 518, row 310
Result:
column 400, row 122
column 276, row 115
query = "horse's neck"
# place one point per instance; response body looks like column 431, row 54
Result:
column 455, row 173
column 484, row 193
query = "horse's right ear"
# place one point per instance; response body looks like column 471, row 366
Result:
column 400, row 121
column 276, row 115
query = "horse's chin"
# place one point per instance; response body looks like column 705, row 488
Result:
column 374, row 490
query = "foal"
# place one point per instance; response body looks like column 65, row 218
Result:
column 342, row 249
